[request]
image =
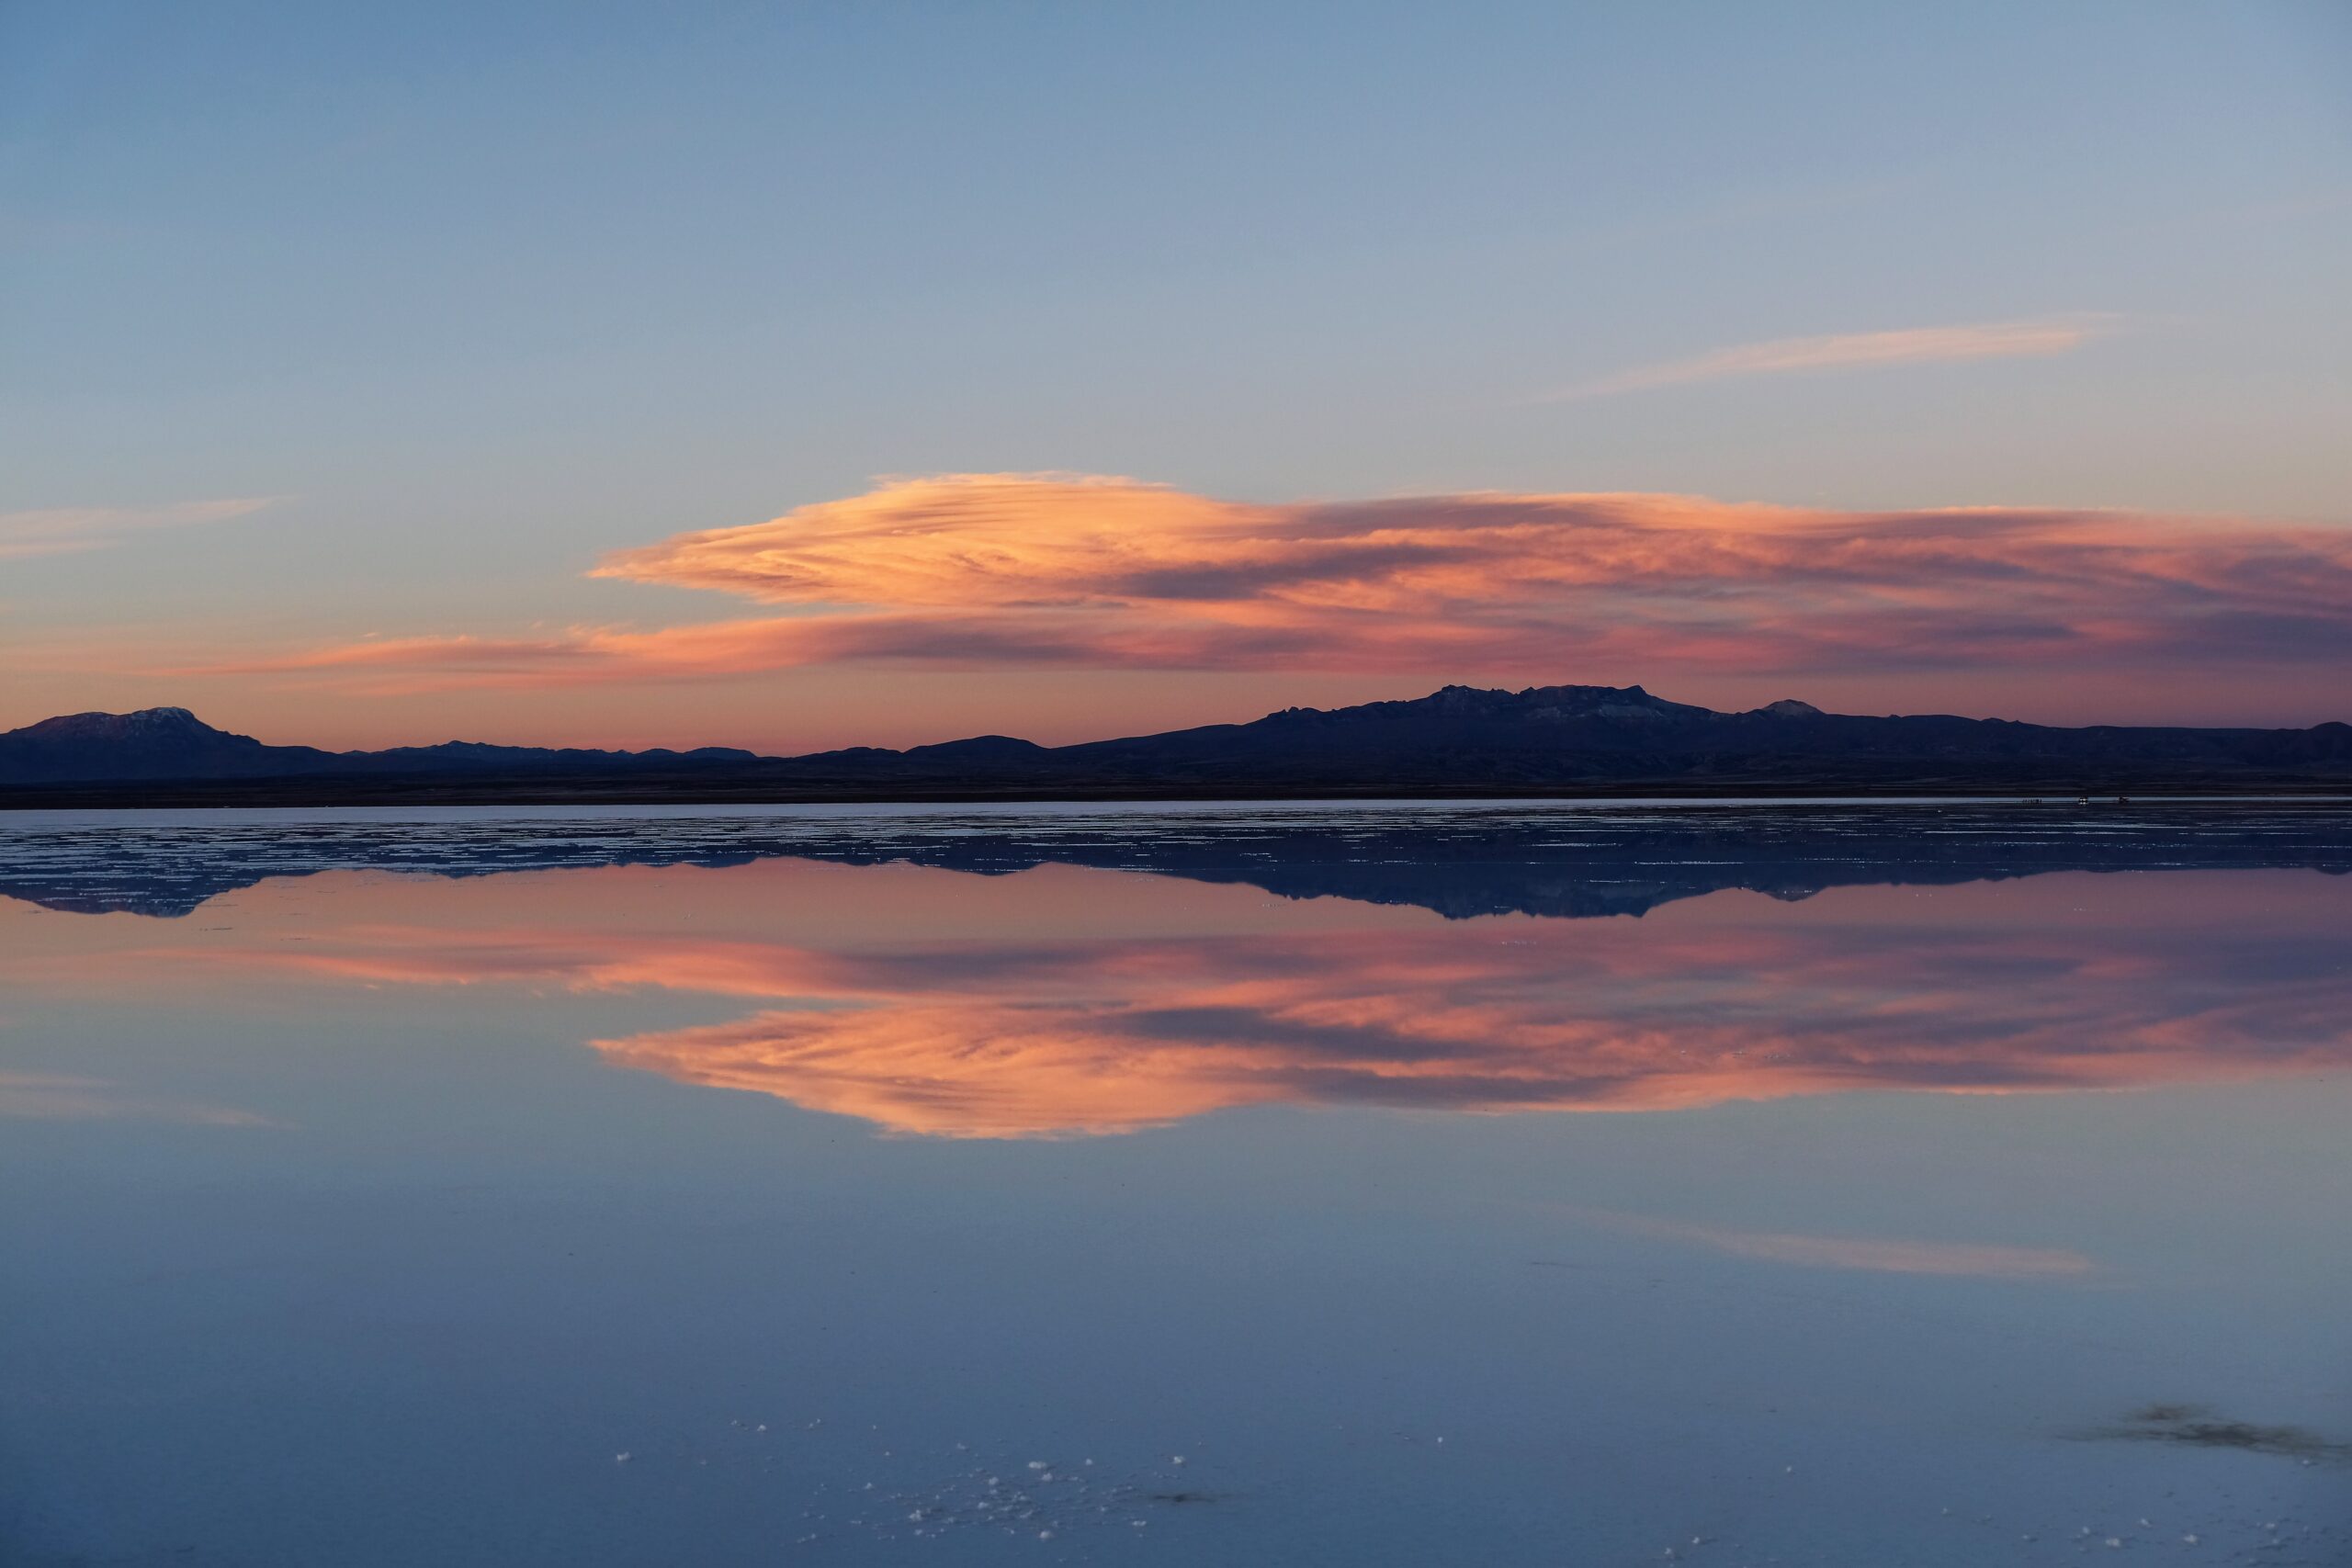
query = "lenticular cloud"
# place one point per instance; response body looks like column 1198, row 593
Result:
column 980, row 570
column 1136, row 573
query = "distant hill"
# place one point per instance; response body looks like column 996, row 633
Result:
column 1571, row 740
column 1552, row 735
column 172, row 745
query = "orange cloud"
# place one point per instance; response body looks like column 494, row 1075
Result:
column 980, row 570
column 68, row 530
column 1858, row 351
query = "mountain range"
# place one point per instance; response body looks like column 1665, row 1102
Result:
column 1460, row 741
column 172, row 745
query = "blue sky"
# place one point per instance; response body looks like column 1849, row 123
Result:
column 473, row 295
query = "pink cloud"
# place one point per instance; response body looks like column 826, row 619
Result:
column 1860, row 351
column 70, row 530
column 1002, row 570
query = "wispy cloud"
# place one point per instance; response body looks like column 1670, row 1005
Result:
column 1857, row 351
column 66, row 530
column 1872, row 1254
column 983, row 571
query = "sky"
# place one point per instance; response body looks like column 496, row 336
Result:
column 802, row 376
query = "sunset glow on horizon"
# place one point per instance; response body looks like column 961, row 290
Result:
column 1106, row 578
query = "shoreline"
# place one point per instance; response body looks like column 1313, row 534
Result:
column 283, row 794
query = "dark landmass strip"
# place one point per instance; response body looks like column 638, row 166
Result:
column 1558, row 741
column 173, row 746
column 1560, row 861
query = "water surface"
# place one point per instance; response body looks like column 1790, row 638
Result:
column 1823, row 1185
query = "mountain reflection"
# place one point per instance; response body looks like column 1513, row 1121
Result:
column 1564, row 859
column 1080, row 1002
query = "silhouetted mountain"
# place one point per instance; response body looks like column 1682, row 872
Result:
column 154, row 743
column 173, row 745
column 1566, row 741
column 1550, row 735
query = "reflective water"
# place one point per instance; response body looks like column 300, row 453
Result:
column 1832, row 1184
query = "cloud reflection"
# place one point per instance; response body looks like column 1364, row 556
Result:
column 1067, row 1036
column 57, row 1097
column 1869, row 1255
